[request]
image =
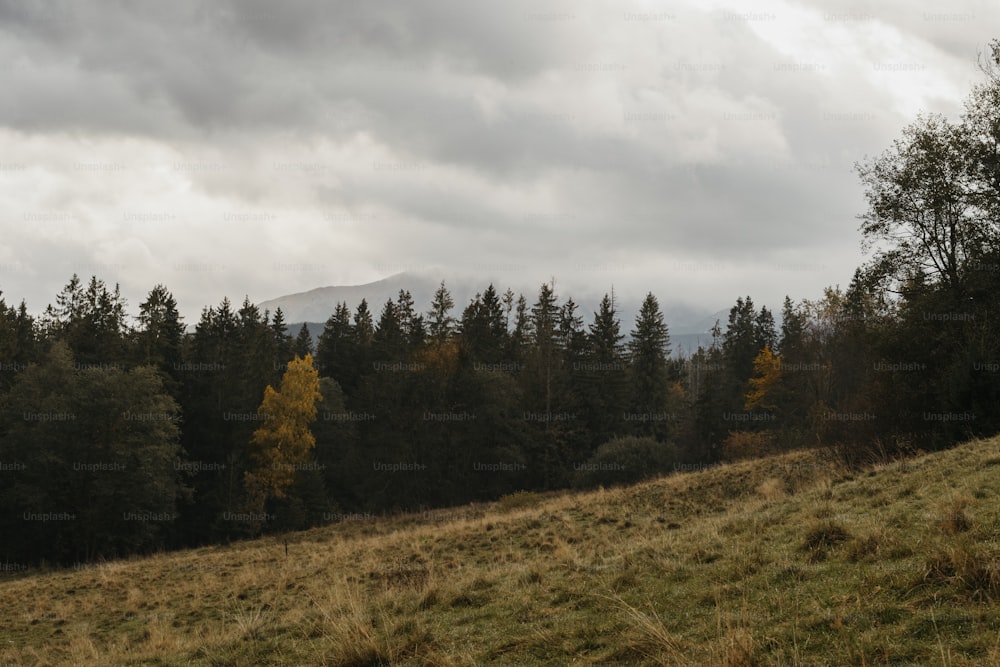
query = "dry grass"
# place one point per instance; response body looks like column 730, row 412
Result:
column 784, row 561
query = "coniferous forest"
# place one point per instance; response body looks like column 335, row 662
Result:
column 126, row 433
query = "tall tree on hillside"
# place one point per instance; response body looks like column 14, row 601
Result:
column 364, row 327
column 364, row 335
column 484, row 327
column 282, row 339
column 440, row 323
column 389, row 341
column 257, row 340
column 335, row 350
column 571, row 337
column 648, row 350
column 539, row 380
column 765, row 332
column 762, row 385
column 923, row 214
column 605, row 333
column 793, row 329
column 411, row 323
column 474, row 330
column 544, row 320
column 283, row 441
column 602, row 375
column 303, row 343
column 161, row 332
column 520, row 336
column 804, row 368
column 570, row 392
column 215, row 400
column 741, row 342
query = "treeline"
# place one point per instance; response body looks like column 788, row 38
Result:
column 119, row 437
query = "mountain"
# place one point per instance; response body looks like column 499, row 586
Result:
column 689, row 326
column 318, row 304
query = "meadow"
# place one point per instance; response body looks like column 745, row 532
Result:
column 788, row 560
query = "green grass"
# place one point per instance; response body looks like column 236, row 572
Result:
column 789, row 560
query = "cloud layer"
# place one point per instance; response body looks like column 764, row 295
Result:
column 698, row 150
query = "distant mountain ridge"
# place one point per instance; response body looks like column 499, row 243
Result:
column 688, row 326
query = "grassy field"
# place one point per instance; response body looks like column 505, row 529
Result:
column 789, row 560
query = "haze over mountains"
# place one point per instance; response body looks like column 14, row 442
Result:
column 689, row 325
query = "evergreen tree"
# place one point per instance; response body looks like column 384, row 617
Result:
column 650, row 386
column 303, row 344
column 91, row 320
column 602, row 376
column 98, row 445
column 160, row 336
column 410, row 322
column 765, row 334
column 215, row 404
column 441, row 325
column 389, row 341
column 540, row 379
column 335, row 350
column 740, row 343
column 282, row 341
column 484, row 328
column 520, row 337
column 605, row 334
column 364, row 329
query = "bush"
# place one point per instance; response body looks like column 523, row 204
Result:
column 748, row 444
column 625, row 461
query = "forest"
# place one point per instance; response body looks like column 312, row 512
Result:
column 122, row 435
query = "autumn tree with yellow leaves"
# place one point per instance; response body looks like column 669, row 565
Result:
column 766, row 375
column 284, row 440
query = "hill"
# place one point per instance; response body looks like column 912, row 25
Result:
column 790, row 560
column 689, row 326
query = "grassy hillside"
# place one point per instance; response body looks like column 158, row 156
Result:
column 788, row 560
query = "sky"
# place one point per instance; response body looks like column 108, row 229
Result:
column 700, row 150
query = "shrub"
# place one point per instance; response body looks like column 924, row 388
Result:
column 748, row 444
column 625, row 461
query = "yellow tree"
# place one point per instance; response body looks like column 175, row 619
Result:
column 766, row 374
column 284, row 440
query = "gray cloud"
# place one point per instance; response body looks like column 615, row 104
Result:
column 254, row 148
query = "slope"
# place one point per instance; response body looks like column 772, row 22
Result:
column 789, row 560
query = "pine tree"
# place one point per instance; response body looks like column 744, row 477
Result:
column 765, row 334
column 648, row 350
column 602, row 376
column 91, row 321
column 389, row 340
column 161, row 332
column 740, row 342
column 520, row 336
column 335, row 350
column 605, row 334
column 364, row 328
column 441, row 325
column 282, row 339
column 303, row 344
column 410, row 322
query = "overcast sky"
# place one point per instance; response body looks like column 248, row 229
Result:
column 701, row 150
